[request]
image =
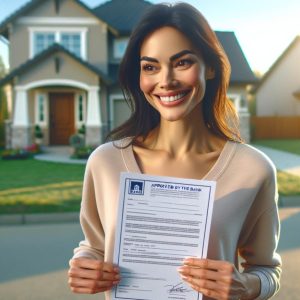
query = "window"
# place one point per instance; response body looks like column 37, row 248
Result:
column 72, row 42
column 239, row 103
column 80, row 110
column 41, row 109
column 120, row 47
column 73, row 39
column 42, row 40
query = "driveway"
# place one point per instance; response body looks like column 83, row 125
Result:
column 34, row 260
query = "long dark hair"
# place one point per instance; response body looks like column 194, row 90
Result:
column 218, row 112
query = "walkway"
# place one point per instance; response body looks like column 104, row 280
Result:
column 34, row 260
column 61, row 154
column 283, row 161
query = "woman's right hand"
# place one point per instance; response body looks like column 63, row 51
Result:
column 89, row 276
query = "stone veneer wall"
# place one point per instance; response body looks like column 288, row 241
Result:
column 21, row 136
column 93, row 136
column 8, row 134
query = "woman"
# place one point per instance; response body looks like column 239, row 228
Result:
column 175, row 75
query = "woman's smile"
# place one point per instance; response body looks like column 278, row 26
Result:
column 173, row 98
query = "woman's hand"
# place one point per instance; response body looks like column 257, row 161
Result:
column 219, row 279
column 88, row 276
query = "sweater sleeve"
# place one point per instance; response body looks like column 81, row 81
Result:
column 93, row 244
column 260, row 237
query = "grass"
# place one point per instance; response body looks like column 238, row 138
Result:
column 288, row 185
column 31, row 186
column 289, row 145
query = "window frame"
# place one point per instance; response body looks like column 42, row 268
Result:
column 58, row 31
column 79, row 122
column 237, row 100
column 116, row 53
column 42, row 123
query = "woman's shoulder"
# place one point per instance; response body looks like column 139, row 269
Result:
column 252, row 158
column 110, row 148
column 109, row 151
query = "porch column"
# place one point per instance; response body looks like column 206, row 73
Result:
column 93, row 135
column 21, row 129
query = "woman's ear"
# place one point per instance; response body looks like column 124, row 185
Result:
column 209, row 73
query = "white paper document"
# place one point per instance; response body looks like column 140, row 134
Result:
column 161, row 220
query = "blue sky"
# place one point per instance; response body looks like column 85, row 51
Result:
column 264, row 28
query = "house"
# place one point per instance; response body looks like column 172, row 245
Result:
column 278, row 97
column 64, row 60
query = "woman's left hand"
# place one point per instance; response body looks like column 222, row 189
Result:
column 219, row 279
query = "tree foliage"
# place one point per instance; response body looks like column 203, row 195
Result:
column 3, row 105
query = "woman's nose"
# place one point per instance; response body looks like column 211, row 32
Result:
column 167, row 79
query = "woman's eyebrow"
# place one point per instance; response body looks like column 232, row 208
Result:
column 172, row 58
column 181, row 53
column 150, row 59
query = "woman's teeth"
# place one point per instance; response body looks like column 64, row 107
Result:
column 172, row 98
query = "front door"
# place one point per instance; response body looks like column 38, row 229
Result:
column 61, row 118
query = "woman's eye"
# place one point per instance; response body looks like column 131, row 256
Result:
column 148, row 68
column 184, row 63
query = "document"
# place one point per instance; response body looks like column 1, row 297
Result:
column 161, row 220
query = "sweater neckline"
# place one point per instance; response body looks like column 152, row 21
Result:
column 213, row 174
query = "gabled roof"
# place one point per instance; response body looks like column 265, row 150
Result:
column 122, row 15
column 46, row 53
column 31, row 5
column 241, row 72
column 278, row 61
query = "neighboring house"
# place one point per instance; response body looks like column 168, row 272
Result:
column 64, row 59
column 278, row 97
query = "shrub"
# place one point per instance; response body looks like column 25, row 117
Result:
column 82, row 152
column 15, row 154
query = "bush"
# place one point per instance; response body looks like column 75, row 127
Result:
column 82, row 152
column 15, row 154
column 76, row 141
column 25, row 153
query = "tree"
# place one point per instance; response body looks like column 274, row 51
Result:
column 3, row 105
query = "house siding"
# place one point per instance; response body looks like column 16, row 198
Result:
column 274, row 96
column 96, row 36
column 19, row 45
column 69, row 69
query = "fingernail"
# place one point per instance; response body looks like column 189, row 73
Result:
column 117, row 277
column 116, row 269
column 116, row 281
column 184, row 277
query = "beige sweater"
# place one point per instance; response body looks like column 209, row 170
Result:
column 245, row 217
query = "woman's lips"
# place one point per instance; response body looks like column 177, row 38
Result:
column 172, row 99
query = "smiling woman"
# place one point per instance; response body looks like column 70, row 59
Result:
column 175, row 76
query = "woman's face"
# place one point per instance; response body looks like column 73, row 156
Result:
column 173, row 74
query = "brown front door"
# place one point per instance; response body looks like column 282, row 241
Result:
column 61, row 118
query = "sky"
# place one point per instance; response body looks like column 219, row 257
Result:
column 264, row 28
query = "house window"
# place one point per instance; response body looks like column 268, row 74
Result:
column 239, row 102
column 120, row 46
column 80, row 110
column 41, row 109
column 42, row 40
column 73, row 39
column 72, row 42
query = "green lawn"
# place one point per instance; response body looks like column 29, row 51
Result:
column 30, row 186
column 292, row 146
column 288, row 185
